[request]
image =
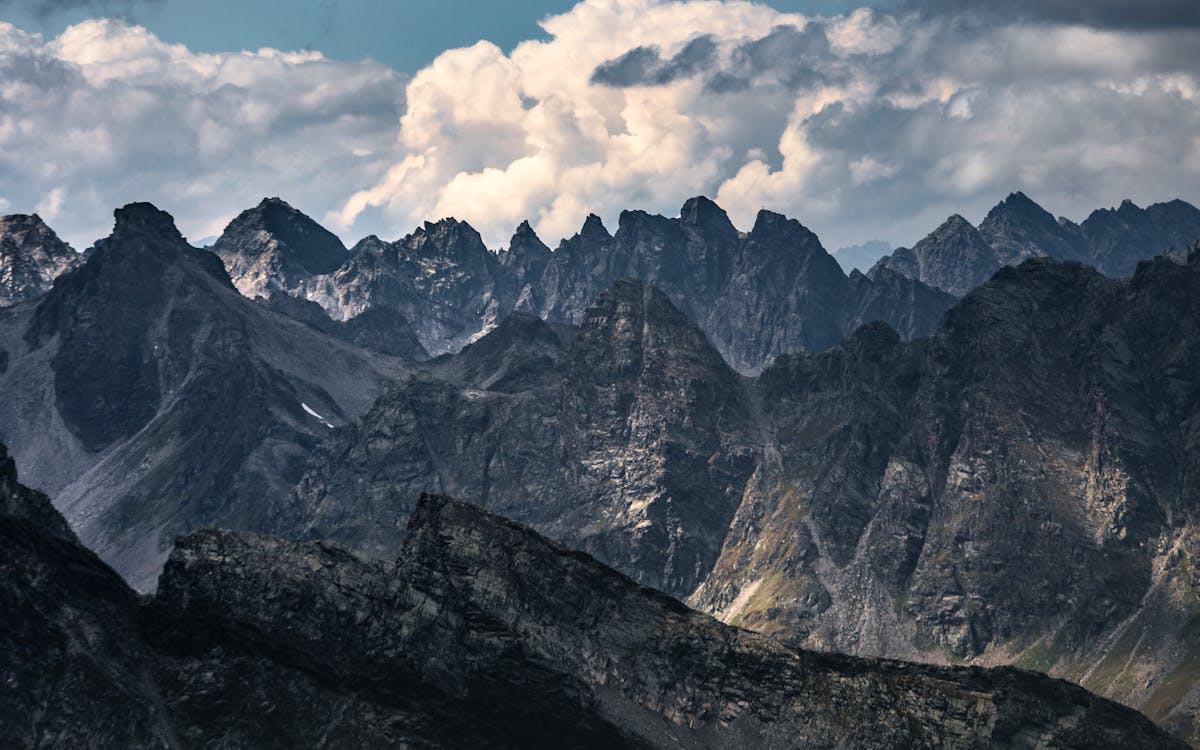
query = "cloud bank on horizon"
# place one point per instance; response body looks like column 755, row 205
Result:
column 862, row 125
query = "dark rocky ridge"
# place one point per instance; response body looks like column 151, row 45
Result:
column 31, row 258
column 1017, row 487
column 771, row 291
column 150, row 398
column 957, row 258
column 482, row 635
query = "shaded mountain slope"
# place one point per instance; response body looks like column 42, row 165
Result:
column 275, row 248
column 148, row 397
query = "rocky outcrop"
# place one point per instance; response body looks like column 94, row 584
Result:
column 148, row 397
column 275, row 248
column 956, row 257
column 31, row 258
column 520, row 642
column 441, row 278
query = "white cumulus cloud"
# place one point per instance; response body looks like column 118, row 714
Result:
column 863, row 125
column 107, row 113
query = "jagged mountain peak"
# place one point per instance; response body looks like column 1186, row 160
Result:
column 1018, row 207
column 22, row 222
column 274, row 246
column 31, row 257
column 629, row 303
column 593, row 229
column 631, row 324
column 770, row 221
column 448, row 237
column 955, row 223
column 526, row 241
column 370, row 244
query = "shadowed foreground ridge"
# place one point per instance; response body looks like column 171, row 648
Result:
column 483, row 634
column 517, row 640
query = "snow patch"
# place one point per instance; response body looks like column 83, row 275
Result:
column 309, row 409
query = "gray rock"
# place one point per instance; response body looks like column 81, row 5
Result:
column 31, row 258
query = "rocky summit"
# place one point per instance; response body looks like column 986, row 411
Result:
column 31, row 258
column 275, row 248
column 482, row 634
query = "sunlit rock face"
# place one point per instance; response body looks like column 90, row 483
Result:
column 31, row 258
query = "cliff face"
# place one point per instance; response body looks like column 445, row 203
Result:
column 1019, row 488
column 631, row 441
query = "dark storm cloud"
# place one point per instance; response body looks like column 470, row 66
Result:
column 644, row 66
column 1110, row 14
column 794, row 58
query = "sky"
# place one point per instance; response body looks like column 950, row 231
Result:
column 863, row 122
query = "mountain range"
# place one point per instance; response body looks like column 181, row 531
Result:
column 756, row 295
column 957, row 257
column 853, row 464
